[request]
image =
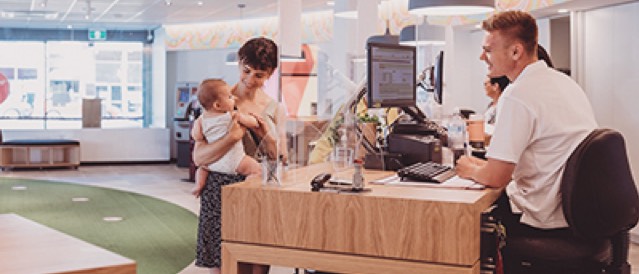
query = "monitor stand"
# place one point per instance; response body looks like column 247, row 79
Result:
column 416, row 113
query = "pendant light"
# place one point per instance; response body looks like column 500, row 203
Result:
column 450, row 7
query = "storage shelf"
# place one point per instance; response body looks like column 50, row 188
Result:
column 38, row 155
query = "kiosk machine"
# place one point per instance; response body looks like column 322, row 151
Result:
column 185, row 107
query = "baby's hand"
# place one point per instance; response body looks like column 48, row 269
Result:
column 196, row 191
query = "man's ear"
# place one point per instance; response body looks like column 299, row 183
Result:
column 517, row 51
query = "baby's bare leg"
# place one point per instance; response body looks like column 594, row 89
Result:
column 200, row 181
column 248, row 166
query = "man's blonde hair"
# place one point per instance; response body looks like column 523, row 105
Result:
column 209, row 92
column 517, row 25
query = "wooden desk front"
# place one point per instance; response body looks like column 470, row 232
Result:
column 388, row 230
column 29, row 247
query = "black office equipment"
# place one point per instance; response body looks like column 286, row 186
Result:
column 600, row 203
column 426, row 172
column 383, row 161
column 391, row 75
column 391, row 83
column 318, row 182
column 415, row 148
column 438, row 73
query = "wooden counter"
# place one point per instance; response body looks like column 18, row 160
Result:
column 427, row 230
column 29, row 247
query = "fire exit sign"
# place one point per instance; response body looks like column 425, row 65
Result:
column 97, row 34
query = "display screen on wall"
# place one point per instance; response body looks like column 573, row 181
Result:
column 27, row 74
column 8, row 73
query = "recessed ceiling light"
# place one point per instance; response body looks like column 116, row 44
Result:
column 167, row 2
column 200, row 3
column 562, row 10
column 330, row 3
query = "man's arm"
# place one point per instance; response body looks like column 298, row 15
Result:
column 206, row 153
column 491, row 172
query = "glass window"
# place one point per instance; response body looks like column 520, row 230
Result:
column 48, row 80
column 23, row 104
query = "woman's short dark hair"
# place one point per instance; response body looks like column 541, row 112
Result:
column 542, row 54
column 259, row 53
column 502, row 82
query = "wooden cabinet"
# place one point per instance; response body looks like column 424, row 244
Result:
column 39, row 153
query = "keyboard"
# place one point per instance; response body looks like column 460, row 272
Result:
column 426, row 172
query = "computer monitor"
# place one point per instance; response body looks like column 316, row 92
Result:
column 391, row 75
column 438, row 74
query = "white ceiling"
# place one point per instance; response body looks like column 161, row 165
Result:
column 126, row 14
column 148, row 14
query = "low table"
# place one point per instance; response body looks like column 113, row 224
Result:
column 29, row 247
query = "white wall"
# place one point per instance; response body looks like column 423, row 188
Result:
column 107, row 145
column 610, row 70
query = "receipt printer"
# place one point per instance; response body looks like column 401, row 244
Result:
column 415, row 148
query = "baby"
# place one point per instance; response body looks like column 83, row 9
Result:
column 218, row 103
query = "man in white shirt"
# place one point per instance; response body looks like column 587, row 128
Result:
column 542, row 116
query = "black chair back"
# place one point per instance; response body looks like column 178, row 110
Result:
column 599, row 194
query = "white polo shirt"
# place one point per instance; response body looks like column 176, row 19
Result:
column 542, row 116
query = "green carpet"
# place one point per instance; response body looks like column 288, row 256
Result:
column 158, row 235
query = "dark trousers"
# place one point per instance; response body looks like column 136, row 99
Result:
column 514, row 228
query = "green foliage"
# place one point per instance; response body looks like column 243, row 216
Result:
column 365, row 118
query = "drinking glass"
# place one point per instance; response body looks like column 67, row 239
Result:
column 342, row 160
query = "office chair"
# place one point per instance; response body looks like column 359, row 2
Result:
column 601, row 205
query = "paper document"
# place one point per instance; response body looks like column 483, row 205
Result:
column 454, row 182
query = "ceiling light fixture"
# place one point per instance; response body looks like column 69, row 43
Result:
column 330, row 3
column 88, row 15
column 43, row 4
column 167, row 2
column 200, row 3
column 346, row 9
column 450, row 7
column 562, row 10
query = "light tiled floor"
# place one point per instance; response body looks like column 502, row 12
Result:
column 163, row 181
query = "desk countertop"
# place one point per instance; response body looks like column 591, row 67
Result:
column 416, row 223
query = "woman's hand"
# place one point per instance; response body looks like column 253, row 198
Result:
column 268, row 137
column 207, row 153
column 236, row 130
column 262, row 129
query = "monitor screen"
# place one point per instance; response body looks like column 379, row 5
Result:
column 183, row 95
column 438, row 74
column 391, row 75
